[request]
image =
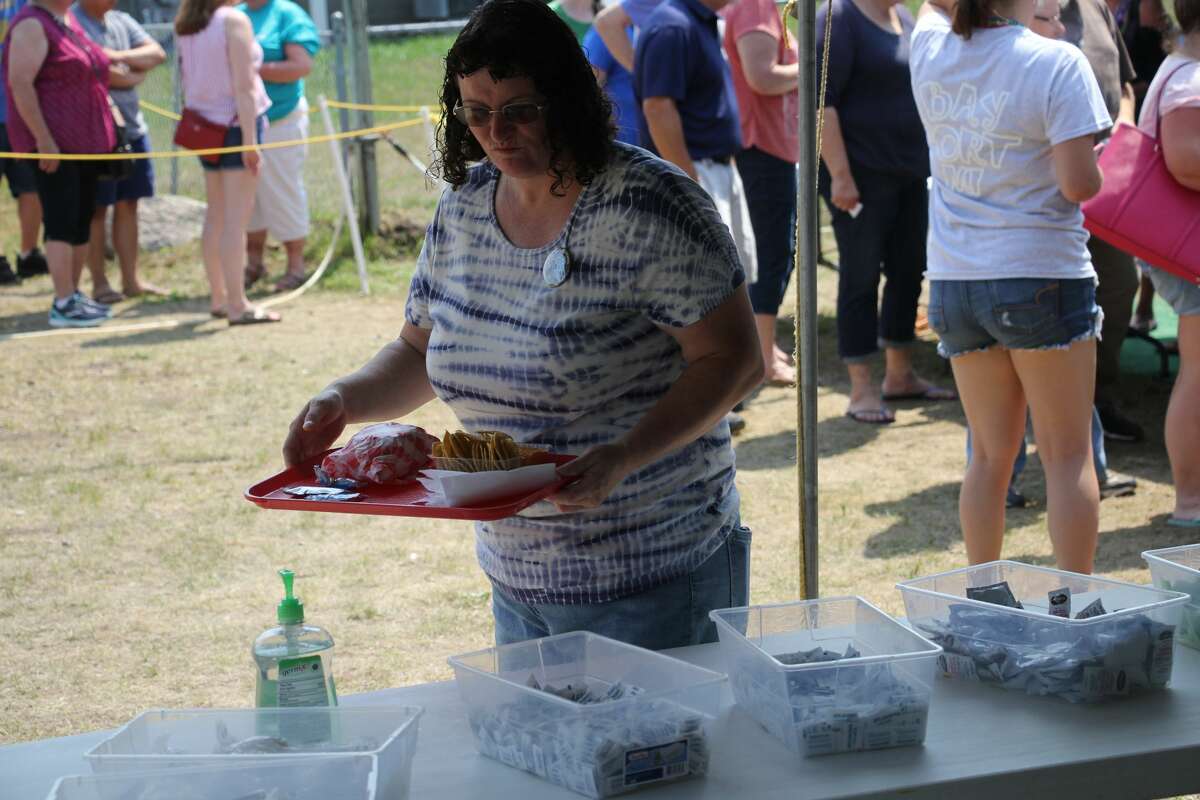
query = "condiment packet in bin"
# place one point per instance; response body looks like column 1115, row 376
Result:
column 453, row 488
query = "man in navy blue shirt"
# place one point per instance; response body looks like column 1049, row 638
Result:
column 690, row 113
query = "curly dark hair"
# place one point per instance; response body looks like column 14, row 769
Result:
column 524, row 38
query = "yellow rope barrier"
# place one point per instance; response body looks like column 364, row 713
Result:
column 163, row 112
column 212, row 151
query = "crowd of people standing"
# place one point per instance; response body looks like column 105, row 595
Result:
column 70, row 77
column 1030, row 309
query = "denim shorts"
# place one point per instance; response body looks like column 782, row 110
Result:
column 139, row 184
column 1181, row 295
column 1014, row 313
column 233, row 138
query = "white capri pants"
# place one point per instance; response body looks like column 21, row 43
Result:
column 724, row 186
column 281, row 202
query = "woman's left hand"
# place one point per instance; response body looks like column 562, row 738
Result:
column 599, row 470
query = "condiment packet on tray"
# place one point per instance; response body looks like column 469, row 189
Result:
column 454, row 488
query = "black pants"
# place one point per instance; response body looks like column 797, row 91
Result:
column 886, row 239
column 1118, row 282
column 68, row 198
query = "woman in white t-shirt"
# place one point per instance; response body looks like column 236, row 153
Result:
column 1175, row 95
column 1010, row 118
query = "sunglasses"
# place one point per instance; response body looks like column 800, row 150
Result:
column 514, row 113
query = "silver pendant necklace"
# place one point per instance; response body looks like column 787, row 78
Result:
column 557, row 266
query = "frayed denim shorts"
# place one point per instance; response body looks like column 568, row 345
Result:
column 1014, row 313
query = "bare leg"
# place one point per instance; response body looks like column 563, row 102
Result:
column 1143, row 313
column 777, row 368
column 78, row 260
column 295, row 256
column 210, row 240
column 1060, row 385
column 256, row 245
column 59, row 259
column 29, row 210
column 995, row 407
column 902, row 379
column 125, row 242
column 238, row 189
column 865, row 399
column 95, row 254
column 1183, row 422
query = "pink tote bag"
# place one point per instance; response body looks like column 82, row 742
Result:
column 1141, row 208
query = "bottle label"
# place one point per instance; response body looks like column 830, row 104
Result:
column 302, row 682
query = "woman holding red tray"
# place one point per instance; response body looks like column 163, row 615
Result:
column 582, row 296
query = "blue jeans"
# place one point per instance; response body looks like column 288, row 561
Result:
column 673, row 614
column 1098, row 455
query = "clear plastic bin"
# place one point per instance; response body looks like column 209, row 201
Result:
column 1130, row 648
column 343, row 777
column 878, row 699
column 171, row 739
column 1178, row 569
column 598, row 749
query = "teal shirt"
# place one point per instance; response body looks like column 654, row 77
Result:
column 276, row 25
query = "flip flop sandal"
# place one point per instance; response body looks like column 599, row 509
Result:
column 1183, row 522
column 109, row 297
column 872, row 416
column 217, row 313
column 254, row 274
column 257, row 316
column 934, row 394
column 289, row 282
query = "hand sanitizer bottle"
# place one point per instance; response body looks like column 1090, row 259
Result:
column 295, row 661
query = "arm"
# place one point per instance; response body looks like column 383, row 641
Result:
column 759, row 52
column 122, row 77
column 723, row 365
column 843, row 190
column 296, row 65
column 1128, row 104
column 1181, row 146
column 390, row 385
column 27, row 52
column 144, row 57
column 666, row 129
column 611, row 24
column 241, row 42
column 1075, row 168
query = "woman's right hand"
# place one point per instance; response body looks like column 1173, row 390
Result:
column 252, row 159
column 48, row 146
column 843, row 192
column 315, row 428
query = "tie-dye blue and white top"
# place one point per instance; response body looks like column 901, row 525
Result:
column 578, row 365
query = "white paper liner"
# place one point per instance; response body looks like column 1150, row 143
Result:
column 448, row 488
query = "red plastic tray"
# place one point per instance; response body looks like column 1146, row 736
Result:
column 407, row 499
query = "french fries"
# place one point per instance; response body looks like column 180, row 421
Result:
column 487, row 450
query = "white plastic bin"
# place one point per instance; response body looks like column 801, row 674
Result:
column 597, row 749
column 171, row 739
column 314, row 778
column 1081, row 660
column 875, row 700
column 1178, row 569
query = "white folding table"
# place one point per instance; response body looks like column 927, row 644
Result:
column 982, row 743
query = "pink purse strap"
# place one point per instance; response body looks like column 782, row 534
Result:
column 1158, row 115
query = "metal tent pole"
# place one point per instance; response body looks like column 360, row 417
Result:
column 807, row 252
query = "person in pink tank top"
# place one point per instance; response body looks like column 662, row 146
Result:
column 219, row 61
column 58, row 103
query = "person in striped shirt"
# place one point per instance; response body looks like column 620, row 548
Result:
column 584, row 296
